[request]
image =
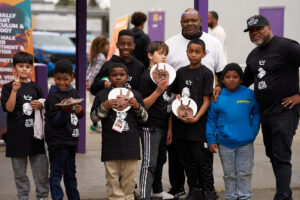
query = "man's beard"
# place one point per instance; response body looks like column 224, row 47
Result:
column 262, row 41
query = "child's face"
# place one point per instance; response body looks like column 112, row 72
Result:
column 159, row 56
column 23, row 71
column 232, row 80
column 125, row 45
column 195, row 53
column 63, row 80
column 118, row 77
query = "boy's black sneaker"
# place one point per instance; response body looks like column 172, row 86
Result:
column 177, row 192
column 195, row 194
column 210, row 195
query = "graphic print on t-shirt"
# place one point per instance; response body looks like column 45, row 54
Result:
column 29, row 123
column 261, row 73
column 262, row 85
column 185, row 92
column 74, row 122
column 27, row 109
column 128, row 84
column 27, row 97
column 168, row 99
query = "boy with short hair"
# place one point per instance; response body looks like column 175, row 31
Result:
column 196, row 82
column 154, row 133
column 120, row 146
column 61, row 131
column 19, row 99
column 135, row 67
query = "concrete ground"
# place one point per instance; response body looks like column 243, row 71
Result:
column 91, row 174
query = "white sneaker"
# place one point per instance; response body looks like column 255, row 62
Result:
column 163, row 194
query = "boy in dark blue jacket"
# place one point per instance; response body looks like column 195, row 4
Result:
column 62, row 132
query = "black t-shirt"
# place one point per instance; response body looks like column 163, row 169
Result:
column 135, row 71
column 159, row 112
column 195, row 84
column 67, row 134
column 274, row 69
column 115, row 145
column 20, row 140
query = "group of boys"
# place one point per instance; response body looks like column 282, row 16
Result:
column 149, row 118
column 22, row 99
column 160, row 129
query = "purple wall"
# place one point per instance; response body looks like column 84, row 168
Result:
column 156, row 25
column 202, row 7
column 275, row 15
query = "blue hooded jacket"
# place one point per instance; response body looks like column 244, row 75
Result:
column 234, row 119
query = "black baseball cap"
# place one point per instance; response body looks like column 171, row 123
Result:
column 256, row 21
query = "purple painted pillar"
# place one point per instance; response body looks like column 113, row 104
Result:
column 81, row 14
column 156, row 25
column 202, row 7
column 41, row 77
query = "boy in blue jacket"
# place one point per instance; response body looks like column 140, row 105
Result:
column 62, row 132
column 232, row 125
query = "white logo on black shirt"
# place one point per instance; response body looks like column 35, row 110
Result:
column 262, row 62
column 261, row 73
column 189, row 82
column 27, row 109
column 74, row 119
column 75, row 133
column 127, row 85
column 186, row 92
column 262, row 85
column 169, row 108
column 29, row 123
column 27, row 97
column 168, row 98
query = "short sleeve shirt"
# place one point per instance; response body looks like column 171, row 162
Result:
column 195, row 84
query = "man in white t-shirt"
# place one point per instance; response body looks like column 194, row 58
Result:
column 191, row 29
column 216, row 30
column 215, row 61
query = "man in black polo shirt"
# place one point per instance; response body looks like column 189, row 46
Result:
column 273, row 67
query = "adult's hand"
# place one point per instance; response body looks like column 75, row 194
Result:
column 291, row 101
column 213, row 148
column 107, row 84
column 217, row 90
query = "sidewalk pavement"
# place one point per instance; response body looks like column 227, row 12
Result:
column 91, row 173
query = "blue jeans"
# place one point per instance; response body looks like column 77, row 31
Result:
column 237, row 166
column 62, row 163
